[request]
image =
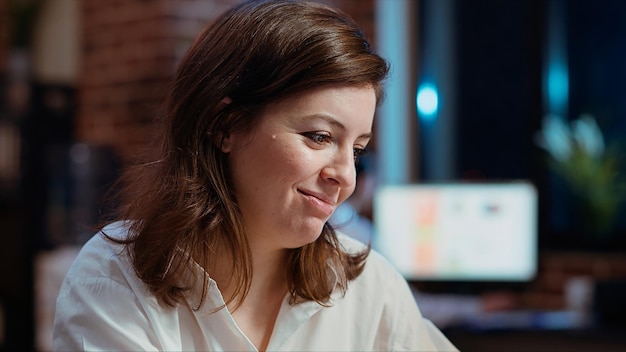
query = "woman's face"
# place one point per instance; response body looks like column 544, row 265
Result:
column 298, row 164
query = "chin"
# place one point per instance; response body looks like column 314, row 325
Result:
column 307, row 236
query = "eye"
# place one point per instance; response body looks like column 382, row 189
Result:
column 359, row 152
column 319, row 137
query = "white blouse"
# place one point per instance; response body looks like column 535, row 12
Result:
column 103, row 305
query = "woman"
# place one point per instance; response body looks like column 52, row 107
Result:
column 224, row 243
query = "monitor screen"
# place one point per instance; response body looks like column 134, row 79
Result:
column 459, row 232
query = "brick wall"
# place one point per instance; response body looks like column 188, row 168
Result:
column 125, row 62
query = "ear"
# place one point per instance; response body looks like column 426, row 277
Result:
column 225, row 142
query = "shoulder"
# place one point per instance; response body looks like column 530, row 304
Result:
column 102, row 304
column 399, row 325
column 102, row 258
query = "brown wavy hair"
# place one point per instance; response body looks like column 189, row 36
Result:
column 181, row 201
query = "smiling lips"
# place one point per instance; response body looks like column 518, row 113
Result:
column 321, row 202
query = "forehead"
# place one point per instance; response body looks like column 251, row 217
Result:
column 326, row 90
column 327, row 97
column 338, row 106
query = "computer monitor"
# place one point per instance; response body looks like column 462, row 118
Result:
column 459, row 232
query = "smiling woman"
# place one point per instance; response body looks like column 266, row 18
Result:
column 223, row 242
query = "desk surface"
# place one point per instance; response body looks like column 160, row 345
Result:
column 584, row 340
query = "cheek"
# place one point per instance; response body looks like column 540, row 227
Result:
column 292, row 158
column 292, row 166
column 278, row 163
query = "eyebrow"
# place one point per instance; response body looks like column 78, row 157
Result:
column 331, row 120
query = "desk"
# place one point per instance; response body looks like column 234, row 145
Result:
column 586, row 340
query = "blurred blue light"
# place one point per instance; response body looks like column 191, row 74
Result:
column 558, row 86
column 427, row 100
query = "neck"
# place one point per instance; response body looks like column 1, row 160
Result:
column 256, row 313
column 269, row 276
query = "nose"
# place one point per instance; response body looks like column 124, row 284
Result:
column 341, row 168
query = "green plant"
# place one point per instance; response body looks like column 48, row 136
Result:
column 578, row 154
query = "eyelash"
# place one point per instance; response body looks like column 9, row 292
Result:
column 322, row 138
column 319, row 138
column 359, row 152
